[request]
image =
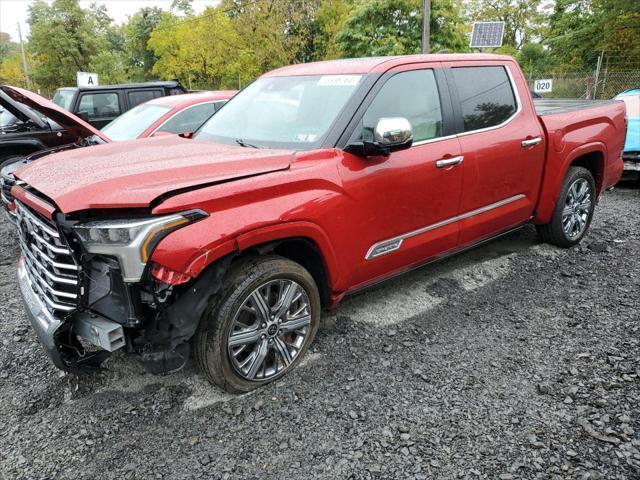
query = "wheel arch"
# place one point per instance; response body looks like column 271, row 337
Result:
column 302, row 242
column 594, row 161
column 591, row 156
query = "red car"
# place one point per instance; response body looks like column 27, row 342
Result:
column 314, row 182
column 172, row 114
column 164, row 115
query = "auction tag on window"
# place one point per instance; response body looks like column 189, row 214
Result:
column 339, row 80
column 306, row 137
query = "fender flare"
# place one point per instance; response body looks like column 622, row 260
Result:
column 263, row 235
column 552, row 180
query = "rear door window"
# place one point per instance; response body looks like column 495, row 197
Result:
column 486, row 96
column 100, row 105
column 136, row 97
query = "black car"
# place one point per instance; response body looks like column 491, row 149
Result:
column 100, row 105
column 30, row 123
column 31, row 127
column 23, row 130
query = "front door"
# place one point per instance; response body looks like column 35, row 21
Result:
column 406, row 203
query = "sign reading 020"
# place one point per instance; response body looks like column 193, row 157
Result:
column 543, row 86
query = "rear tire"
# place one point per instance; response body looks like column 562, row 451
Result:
column 574, row 211
column 268, row 311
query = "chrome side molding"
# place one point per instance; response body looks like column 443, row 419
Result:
column 392, row 244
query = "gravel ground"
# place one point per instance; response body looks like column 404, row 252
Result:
column 514, row 360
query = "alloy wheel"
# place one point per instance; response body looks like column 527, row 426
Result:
column 577, row 209
column 269, row 330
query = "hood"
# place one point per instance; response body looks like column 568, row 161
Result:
column 14, row 99
column 132, row 174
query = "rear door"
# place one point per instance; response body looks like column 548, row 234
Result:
column 502, row 142
column 404, row 204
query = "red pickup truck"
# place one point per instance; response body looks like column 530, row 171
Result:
column 314, row 182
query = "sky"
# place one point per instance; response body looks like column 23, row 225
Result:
column 13, row 12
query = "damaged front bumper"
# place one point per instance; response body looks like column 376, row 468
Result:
column 44, row 324
column 59, row 338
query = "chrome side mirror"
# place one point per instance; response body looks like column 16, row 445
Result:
column 393, row 133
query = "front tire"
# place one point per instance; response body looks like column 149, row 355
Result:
column 574, row 211
column 260, row 325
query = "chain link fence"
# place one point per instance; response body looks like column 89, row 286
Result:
column 585, row 85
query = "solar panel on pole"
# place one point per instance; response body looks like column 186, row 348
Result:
column 487, row 34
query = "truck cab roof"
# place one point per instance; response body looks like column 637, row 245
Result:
column 378, row 64
column 123, row 86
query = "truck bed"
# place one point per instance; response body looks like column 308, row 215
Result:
column 549, row 106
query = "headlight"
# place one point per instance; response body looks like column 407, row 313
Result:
column 131, row 241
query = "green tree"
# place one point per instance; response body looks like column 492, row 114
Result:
column 582, row 30
column 63, row 39
column 524, row 19
column 11, row 72
column 534, row 58
column 276, row 32
column 203, row 51
column 7, row 47
column 136, row 33
column 184, row 6
column 330, row 20
column 394, row 27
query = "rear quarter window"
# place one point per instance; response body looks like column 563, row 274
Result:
column 141, row 96
column 486, row 96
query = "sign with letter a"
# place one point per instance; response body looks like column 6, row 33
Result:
column 86, row 79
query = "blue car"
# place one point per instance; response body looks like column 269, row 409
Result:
column 631, row 154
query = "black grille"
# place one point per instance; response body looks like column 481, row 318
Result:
column 51, row 268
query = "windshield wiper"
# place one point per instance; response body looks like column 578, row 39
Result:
column 242, row 143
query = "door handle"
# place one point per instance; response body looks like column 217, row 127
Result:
column 532, row 142
column 449, row 162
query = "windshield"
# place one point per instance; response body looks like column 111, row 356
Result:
column 63, row 98
column 282, row 112
column 7, row 119
column 131, row 124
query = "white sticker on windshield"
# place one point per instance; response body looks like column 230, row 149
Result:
column 339, row 80
column 306, row 137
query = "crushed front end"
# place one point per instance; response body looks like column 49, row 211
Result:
column 89, row 290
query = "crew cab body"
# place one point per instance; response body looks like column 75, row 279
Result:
column 368, row 168
column 101, row 104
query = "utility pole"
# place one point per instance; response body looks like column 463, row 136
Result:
column 24, row 58
column 426, row 23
